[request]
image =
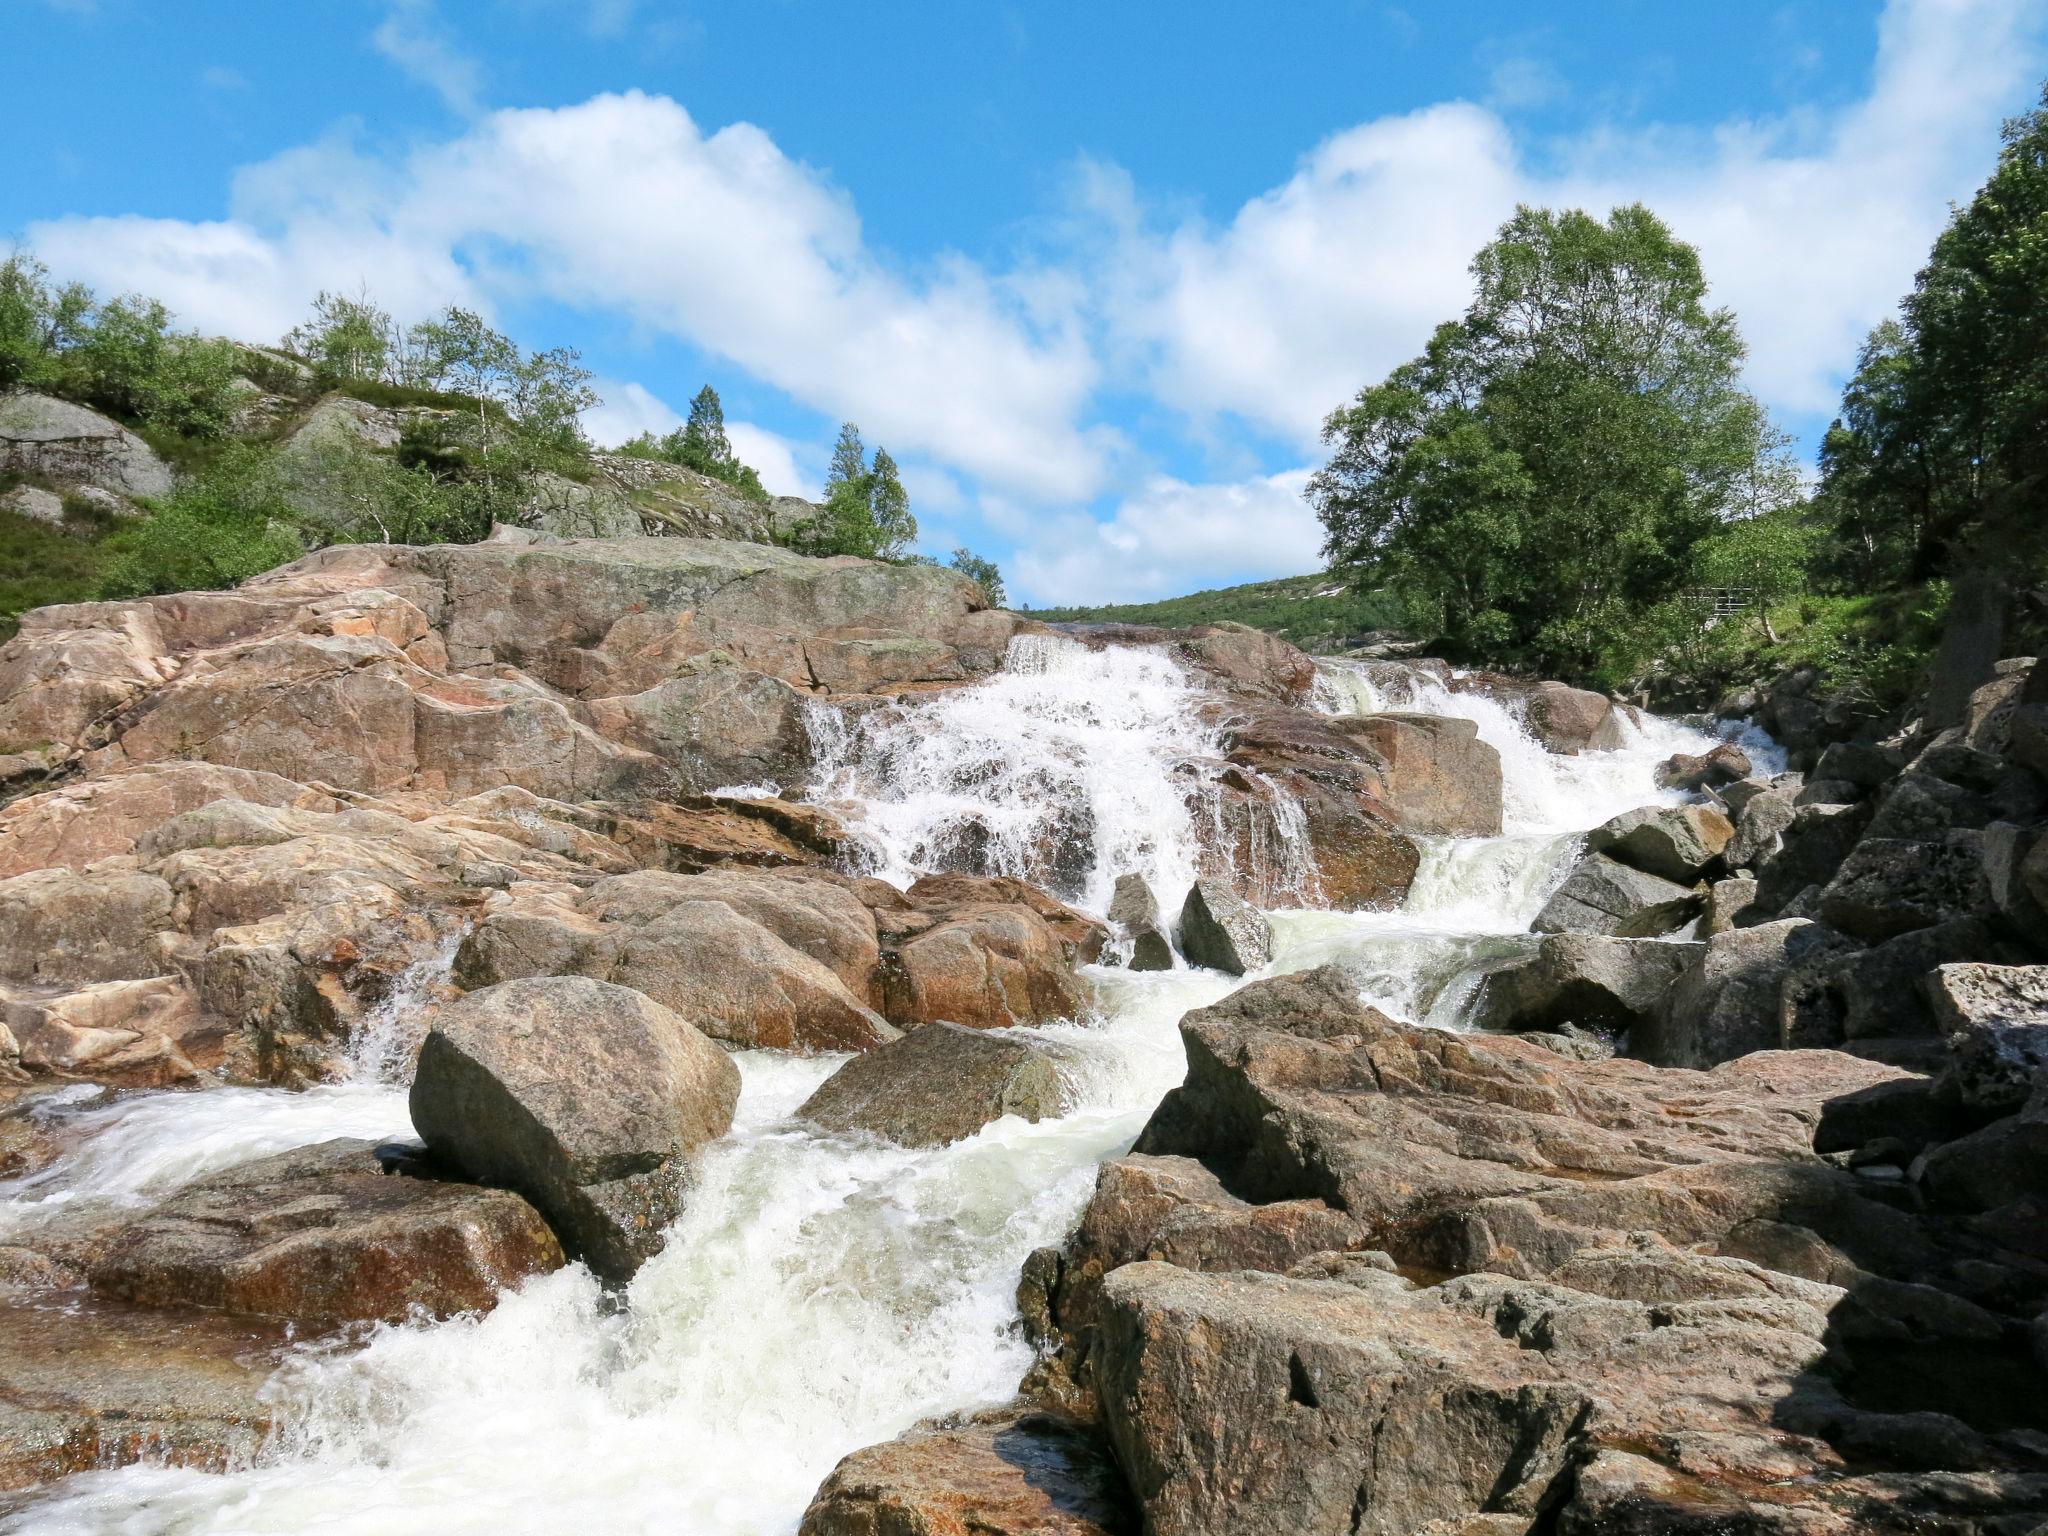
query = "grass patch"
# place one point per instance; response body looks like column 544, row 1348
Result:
column 1318, row 613
column 40, row 565
column 402, row 396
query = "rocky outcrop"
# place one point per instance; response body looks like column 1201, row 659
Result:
column 58, row 441
column 1616, row 1296
column 1995, row 1019
column 587, row 1098
column 1010, row 1472
column 1726, row 1003
column 341, row 1232
column 938, row 1084
column 1717, row 766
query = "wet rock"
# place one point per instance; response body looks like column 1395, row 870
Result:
column 143, row 1033
column 1604, row 896
column 1134, row 913
column 1438, row 778
column 984, row 954
column 1719, row 765
column 326, row 1234
column 1996, row 1021
column 1676, row 842
column 1583, row 979
column 1886, row 887
column 1572, row 720
column 938, row 1084
column 1220, row 930
column 1726, row 1004
column 86, row 1386
column 1009, row 1472
column 586, row 1098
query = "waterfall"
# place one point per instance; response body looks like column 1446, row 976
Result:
column 822, row 1294
column 1067, row 768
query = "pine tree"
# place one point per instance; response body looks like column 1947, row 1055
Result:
column 849, row 461
column 704, row 441
column 889, row 507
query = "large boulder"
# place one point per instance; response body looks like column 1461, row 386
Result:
column 61, row 441
column 1604, row 896
column 1726, row 1003
column 1008, row 1472
column 1677, row 842
column 98, row 924
column 340, row 1232
column 1996, row 1021
column 1588, row 980
column 1571, row 720
column 587, row 1098
column 1437, row 777
column 1221, row 930
column 938, row 1084
column 1886, row 886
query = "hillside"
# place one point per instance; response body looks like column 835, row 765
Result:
column 1317, row 612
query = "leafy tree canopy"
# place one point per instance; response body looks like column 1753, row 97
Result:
column 983, row 573
column 1545, row 470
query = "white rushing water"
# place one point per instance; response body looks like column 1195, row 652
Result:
column 821, row 1293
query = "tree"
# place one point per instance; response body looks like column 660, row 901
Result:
column 344, row 338
column 1546, row 468
column 1938, row 464
column 983, row 573
column 889, row 508
column 849, row 461
column 704, row 436
column 38, row 322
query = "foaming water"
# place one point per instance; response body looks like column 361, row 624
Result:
column 820, row 1294
column 1543, row 793
column 1068, row 768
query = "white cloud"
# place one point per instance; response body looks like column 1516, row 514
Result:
column 623, row 204
column 626, row 410
column 1809, row 227
column 413, row 37
column 1172, row 537
column 775, row 459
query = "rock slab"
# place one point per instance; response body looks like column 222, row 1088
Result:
column 938, row 1084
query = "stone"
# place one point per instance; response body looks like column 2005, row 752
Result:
column 1134, row 914
column 1437, row 777
column 1726, row 1004
column 1726, row 901
column 343, row 1231
column 85, row 1386
column 1812, row 848
column 1008, row 1472
column 1819, row 791
column 68, row 444
column 1223, row 932
column 1996, row 1020
column 1864, row 765
column 1855, row 995
column 143, row 1033
column 65, row 927
column 1588, row 980
column 1719, row 765
column 79, row 823
column 1889, row 886
column 1676, row 842
column 35, row 503
column 1604, row 896
column 938, row 1084
column 1760, row 824
column 585, row 1097
column 1571, row 720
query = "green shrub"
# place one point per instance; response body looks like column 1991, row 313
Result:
column 213, row 531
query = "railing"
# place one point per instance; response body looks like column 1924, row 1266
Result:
column 1725, row 600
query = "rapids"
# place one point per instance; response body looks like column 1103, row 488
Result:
column 821, row 1293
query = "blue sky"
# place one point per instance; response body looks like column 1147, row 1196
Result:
column 1093, row 273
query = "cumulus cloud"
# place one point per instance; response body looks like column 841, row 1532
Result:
column 776, row 460
column 1810, row 227
column 1172, row 537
